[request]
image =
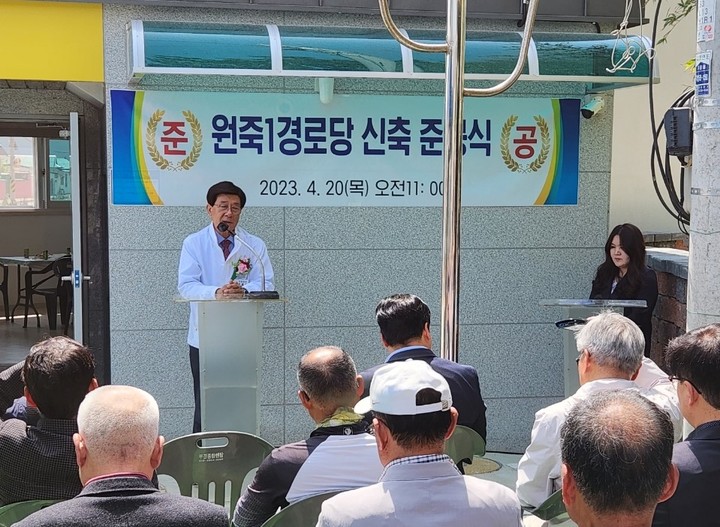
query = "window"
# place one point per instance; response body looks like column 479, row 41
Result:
column 34, row 173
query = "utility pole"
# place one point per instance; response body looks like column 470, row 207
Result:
column 703, row 302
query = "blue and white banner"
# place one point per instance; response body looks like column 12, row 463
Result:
column 358, row 150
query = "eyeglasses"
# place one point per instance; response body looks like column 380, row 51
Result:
column 371, row 428
column 677, row 380
column 570, row 323
column 577, row 359
column 234, row 209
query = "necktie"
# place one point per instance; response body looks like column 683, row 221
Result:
column 225, row 244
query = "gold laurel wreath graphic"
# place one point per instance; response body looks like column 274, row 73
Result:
column 194, row 154
column 513, row 165
column 155, row 154
column 545, row 148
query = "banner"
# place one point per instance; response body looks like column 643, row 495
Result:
column 291, row 150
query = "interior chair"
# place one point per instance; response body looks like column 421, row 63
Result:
column 52, row 288
column 4, row 290
column 463, row 445
column 17, row 511
column 211, row 459
column 303, row 513
column 64, row 267
column 42, row 288
column 552, row 508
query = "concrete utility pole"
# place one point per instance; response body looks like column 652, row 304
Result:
column 703, row 302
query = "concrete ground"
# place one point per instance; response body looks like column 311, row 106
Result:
column 506, row 474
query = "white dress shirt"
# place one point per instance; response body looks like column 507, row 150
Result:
column 203, row 269
column 539, row 467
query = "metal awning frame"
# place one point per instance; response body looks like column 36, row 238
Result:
column 138, row 70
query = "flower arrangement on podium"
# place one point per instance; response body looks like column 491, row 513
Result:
column 240, row 268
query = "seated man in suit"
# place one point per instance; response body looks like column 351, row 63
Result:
column 340, row 453
column 611, row 350
column 404, row 322
column 694, row 362
column 616, row 454
column 413, row 415
column 37, row 459
column 12, row 401
column 118, row 448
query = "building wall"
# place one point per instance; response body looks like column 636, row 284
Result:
column 52, row 41
column 511, row 257
column 632, row 196
column 670, row 315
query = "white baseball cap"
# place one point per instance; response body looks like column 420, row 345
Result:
column 394, row 388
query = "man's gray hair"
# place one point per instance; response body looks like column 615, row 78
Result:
column 613, row 341
column 119, row 423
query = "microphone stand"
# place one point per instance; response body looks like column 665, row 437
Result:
column 264, row 294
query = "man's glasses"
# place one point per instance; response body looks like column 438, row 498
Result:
column 371, row 428
column 677, row 380
column 570, row 323
column 235, row 210
column 577, row 359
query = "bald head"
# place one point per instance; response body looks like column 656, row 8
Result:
column 618, row 447
column 118, row 429
column 328, row 376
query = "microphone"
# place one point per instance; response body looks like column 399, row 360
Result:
column 264, row 294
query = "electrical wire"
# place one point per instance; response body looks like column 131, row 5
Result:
column 676, row 207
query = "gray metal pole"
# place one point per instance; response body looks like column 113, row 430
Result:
column 452, row 156
column 455, row 90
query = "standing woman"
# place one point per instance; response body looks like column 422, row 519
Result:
column 624, row 276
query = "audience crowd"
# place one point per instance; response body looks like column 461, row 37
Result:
column 613, row 449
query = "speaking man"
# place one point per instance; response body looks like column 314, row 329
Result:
column 221, row 260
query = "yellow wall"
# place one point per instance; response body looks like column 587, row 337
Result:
column 51, row 41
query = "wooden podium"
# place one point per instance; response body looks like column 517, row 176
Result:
column 231, row 343
column 582, row 308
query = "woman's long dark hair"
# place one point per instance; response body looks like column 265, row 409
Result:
column 633, row 244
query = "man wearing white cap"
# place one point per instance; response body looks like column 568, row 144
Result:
column 413, row 415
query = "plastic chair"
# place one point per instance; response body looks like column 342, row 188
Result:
column 19, row 510
column 463, row 445
column 551, row 508
column 213, row 458
column 303, row 513
column 4, row 290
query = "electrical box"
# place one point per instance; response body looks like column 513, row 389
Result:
column 678, row 131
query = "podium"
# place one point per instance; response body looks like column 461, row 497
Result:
column 582, row 308
column 230, row 331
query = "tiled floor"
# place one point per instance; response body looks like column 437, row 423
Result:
column 15, row 341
